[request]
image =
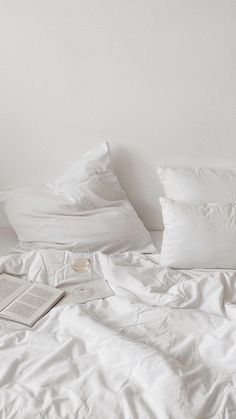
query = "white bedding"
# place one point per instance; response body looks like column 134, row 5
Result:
column 85, row 207
column 164, row 347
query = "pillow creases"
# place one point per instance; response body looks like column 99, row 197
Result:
column 85, row 207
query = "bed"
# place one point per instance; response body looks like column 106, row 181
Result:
column 163, row 346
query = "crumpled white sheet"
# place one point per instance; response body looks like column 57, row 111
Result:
column 163, row 347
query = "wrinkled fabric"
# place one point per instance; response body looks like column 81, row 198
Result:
column 85, row 207
column 163, row 347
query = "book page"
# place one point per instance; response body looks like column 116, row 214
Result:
column 10, row 288
column 32, row 304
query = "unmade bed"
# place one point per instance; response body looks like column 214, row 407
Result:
column 162, row 347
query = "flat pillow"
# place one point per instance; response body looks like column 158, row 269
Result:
column 85, row 207
column 198, row 235
column 198, row 184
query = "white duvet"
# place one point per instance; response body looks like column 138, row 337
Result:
column 163, row 347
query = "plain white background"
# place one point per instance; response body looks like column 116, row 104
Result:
column 155, row 78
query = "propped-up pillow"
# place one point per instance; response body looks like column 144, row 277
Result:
column 85, row 207
column 198, row 235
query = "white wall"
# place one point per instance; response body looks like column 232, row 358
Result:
column 156, row 78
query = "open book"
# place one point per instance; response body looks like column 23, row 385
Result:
column 26, row 302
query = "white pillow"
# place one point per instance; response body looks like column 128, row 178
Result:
column 193, row 184
column 86, row 207
column 198, row 235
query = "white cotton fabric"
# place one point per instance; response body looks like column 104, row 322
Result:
column 85, row 207
column 198, row 184
column 163, row 346
column 198, row 235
